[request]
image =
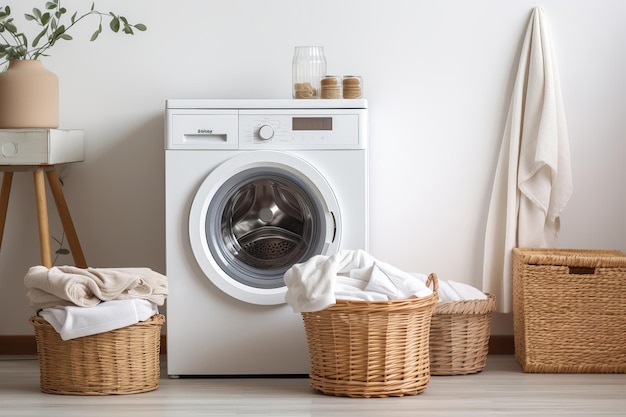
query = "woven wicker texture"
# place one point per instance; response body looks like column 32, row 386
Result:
column 459, row 336
column 569, row 310
column 122, row 361
column 371, row 349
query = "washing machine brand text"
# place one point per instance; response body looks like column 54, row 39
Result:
column 205, row 131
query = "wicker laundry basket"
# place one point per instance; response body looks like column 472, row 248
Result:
column 371, row 349
column 459, row 336
column 122, row 361
column 569, row 310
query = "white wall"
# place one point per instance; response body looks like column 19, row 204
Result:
column 438, row 77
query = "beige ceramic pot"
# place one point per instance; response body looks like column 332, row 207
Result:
column 29, row 96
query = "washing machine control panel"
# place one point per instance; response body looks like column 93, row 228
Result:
column 251, row 128
column 305, row 129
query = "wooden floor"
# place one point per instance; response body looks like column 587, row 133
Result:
column 502, row 389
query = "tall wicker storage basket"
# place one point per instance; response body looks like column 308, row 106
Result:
column 459, row 336
column 122, row 361
column 569, row 310
column 371, row 349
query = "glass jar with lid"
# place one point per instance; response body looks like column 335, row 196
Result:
column 309, row 66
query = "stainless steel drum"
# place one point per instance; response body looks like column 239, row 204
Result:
column 266, row 221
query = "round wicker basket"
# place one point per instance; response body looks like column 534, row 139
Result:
column 459, row 336
column 122, row 361
column 371, row 349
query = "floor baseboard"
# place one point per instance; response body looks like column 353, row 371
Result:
column 18, row 345
column 26, row 345
column 501, row 345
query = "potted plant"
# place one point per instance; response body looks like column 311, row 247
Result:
column 29, row 94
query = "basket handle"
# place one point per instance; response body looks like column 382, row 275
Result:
column 432, row 279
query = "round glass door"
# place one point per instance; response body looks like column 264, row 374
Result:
column 255, row 216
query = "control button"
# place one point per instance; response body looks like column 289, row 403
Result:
column 266, row 132
column 9, row 149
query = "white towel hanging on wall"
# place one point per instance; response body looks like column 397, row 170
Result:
column 533, row 180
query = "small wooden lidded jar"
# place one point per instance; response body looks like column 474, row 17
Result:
column 331, row 86
column 352, row 86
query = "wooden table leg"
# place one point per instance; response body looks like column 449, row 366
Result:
column 42, row 217
column 66, row 219
column 7, row 177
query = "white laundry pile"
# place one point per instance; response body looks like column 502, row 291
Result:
column 348, row 275
column 356, row 275
column 78, row 302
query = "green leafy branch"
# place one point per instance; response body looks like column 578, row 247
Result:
column 52, row 20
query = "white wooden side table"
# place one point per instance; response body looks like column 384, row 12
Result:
column 40, row 151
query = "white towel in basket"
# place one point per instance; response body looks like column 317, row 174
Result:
column 72, row 322
column 313, row 285
column 455, row 291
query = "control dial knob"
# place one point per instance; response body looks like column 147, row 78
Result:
column 266, row 132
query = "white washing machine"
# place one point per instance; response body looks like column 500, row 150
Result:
column 253, row 187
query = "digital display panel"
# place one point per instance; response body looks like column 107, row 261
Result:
column 312, row 123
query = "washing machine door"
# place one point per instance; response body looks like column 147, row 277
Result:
column 257, row 214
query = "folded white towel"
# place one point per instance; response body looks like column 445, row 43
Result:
column 72, row 322
column 317, row 283
column 69, row 285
